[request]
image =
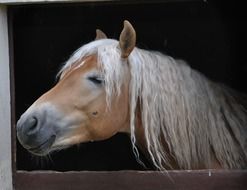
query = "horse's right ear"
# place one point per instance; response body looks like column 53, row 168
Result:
column 127, row 39
column 100, row 35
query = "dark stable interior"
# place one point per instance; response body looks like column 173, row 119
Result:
column 205, row 34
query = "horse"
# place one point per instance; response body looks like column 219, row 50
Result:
column 173, row 114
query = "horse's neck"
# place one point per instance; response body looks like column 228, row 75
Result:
column 142, row 145
column 141, row 141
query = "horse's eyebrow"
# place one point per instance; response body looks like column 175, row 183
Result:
column 70, row 68
column 78, row 66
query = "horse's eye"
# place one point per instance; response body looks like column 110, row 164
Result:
column 96, row 80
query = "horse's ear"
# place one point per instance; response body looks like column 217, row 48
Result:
column 127, row 39
column 100, row 35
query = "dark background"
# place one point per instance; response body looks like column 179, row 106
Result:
column 209, row 35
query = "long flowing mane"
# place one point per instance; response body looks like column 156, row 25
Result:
column 199, row 120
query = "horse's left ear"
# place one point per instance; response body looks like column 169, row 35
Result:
column 100, row 35
column 127, row 39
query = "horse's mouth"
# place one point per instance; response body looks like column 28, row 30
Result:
column 44, row 147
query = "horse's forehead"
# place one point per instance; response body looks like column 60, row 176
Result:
column 82, row 65
column 86, row 63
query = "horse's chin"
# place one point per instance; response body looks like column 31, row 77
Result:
column 43, row 148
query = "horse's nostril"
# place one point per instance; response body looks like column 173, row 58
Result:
column 32, row 126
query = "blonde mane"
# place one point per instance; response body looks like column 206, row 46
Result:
column 198, row 119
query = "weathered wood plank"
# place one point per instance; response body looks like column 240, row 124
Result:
column 18, row 2
column 132, row 180
column 5, row 115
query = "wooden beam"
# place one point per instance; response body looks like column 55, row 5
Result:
column 19, row 2
column 5, row 114
column 132, row 180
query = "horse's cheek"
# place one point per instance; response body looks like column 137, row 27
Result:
column 101, row 127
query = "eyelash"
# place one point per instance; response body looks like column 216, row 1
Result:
column 96, row 80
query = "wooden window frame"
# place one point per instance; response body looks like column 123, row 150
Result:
column 11, row 178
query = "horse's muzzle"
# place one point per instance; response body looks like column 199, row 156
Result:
column 34, row 134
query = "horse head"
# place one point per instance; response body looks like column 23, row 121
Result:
column 76, row 109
